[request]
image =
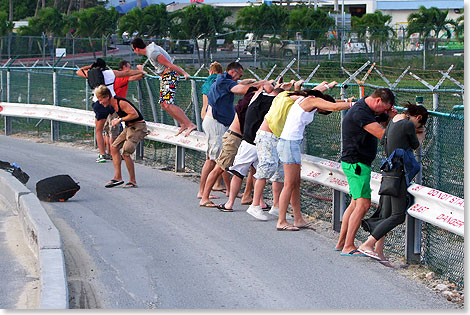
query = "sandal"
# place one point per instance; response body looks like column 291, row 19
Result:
column 130, row 185
column 288, row 227
column 113, row 183
column 222, row 208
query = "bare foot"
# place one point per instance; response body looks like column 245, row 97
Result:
column 190, row 129
column 182, row 128
column 210, row 197
column 246, row 201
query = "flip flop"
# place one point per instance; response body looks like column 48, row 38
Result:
column 130, row 185
column 208, row 204
column 370, row 253
column 307, row 226
column 222, row 208
column 353, row 253
column 247, row 203
column 221, row 190
column 211, row 197
column 288, row 227
column 386, row 263
column 113, row 183
column 338, row 250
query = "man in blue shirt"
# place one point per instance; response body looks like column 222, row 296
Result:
column 220, row 114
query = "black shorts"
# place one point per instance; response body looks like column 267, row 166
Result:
column 101, row 112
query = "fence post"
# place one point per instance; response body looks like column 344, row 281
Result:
column 180, row 162
column 1, row 85
column 73, row 51
column 413, row 226
column 43, row 49
column 152, row 102
column 139, row 152
column 8, row 119
column 55, row 96
column 339, row 198
column 435, row 134
column 195, row 101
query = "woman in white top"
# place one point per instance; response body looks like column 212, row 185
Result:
column 288, row 148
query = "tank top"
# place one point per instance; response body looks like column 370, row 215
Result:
column 122, row 113
column 296, row 120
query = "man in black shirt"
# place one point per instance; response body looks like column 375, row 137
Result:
column 360, row 131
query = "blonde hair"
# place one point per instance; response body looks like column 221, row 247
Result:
column 216, row 68
column 102, row 91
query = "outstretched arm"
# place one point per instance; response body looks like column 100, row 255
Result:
column 83, row 71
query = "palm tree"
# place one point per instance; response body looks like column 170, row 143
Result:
column 360, row 25
column 430, row 23
column 379, row 29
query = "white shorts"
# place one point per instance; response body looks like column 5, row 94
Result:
column 246, row 157
column 214, row 133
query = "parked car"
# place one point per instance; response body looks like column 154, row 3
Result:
column 284, row 48
column 126, row 38
column 181, row 47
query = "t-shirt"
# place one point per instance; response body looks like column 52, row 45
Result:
column 254, row 116
column 207, row 85
column 221, row 99
column 242, row 106
column 296, row 121
column 276, row 117
column 152, row 52
column 109, row 78
column 400, row 134
column 120, row 86
column 358, row 144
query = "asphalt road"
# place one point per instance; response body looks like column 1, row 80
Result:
column 154, row 247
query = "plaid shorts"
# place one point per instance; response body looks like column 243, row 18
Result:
column 168, row 84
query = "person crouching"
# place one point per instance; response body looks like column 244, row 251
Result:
column 134, row 132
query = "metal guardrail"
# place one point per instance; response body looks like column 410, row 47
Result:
column 430, row 205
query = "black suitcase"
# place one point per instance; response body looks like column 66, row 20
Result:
column 56, row 188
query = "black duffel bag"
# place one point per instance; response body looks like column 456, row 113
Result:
column 56, row 188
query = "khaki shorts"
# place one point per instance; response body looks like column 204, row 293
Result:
column 214, row 133
column 230, row 144
column 110, row 131
column 130, row 137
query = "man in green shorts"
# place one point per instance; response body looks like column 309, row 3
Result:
column 360, row 131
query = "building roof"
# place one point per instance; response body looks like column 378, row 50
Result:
column 414, row 5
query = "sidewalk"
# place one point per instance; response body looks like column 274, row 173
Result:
column 20, row 275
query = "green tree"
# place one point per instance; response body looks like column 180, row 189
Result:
column 429, row 23
column 313, row 24
column 21, row 9
column 380, row 30
column 262, row 20
column 153, row 20
column 459, row 27
column 359, row 26
column 96, row 22
column 48, row 20
column 5, row 25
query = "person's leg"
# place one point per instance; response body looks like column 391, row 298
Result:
column 344, row 225
column 206, row 169
column 235, row 185
column 218, row 186
column 211, row 178
column 362, row 205
column 99, row 124
column 226, row 177
column 130, row 168
column 246, row 198
column 178, row 114
column 258, row 191
column 286, row 192
column 115, row 153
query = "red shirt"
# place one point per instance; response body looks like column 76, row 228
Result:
column 120, row 86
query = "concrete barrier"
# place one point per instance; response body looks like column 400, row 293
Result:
column 43, row 239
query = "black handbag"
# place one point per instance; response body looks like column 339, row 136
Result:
column 390, row 184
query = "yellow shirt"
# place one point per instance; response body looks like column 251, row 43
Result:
column 277, row 114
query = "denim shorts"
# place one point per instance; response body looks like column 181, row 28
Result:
column 289, row 151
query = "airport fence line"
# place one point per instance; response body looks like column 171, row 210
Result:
column 442, row 154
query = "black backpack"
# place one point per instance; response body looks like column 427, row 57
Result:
column 56, row 188
column 96, row 78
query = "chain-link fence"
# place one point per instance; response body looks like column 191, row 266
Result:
column 443, row 155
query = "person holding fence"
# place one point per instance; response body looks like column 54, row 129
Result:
column 246, row 159
column 404, row 133
column 214, row 70
column 101, row 113
column 168, row 72
column 289, row 149
column 220, row 115
column 267, row 137
column 121, row 84
column 360, row 131
column 134, row 132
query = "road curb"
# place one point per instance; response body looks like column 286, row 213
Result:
column 43, row 238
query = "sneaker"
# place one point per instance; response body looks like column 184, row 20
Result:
column 257, row 212
column 274, row 211
column 108, row 156
column 101, row 159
